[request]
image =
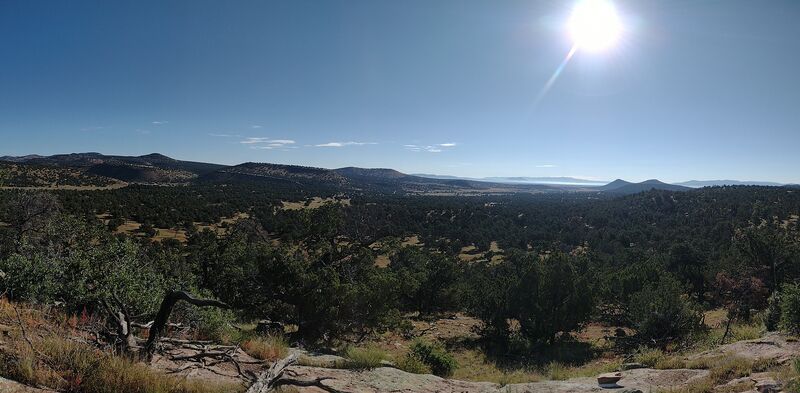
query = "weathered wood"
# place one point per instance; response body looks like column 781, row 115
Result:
column 267, row 381
column 170, row 299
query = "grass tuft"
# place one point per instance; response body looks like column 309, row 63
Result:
column 365, row 358
column 266, row 347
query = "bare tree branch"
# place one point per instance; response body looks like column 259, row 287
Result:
column 170, row 299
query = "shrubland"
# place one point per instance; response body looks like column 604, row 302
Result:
column 650, row 263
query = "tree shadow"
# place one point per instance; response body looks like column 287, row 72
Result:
column 510, row 354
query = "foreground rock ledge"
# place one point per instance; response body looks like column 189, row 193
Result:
column 393, row 380
column 8, row 386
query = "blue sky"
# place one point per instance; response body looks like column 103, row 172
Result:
column 693, row 90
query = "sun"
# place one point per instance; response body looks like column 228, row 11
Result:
column 594, row 25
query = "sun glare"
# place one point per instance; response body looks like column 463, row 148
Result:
column 594, row 25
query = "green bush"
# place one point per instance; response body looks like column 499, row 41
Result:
column 661, row 313
column 546, row 295
column 434, row 356
column 773, row 312
column 412, row 364
column 790, row 308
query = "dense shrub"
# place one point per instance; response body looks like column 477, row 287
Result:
column 412, row 364
column 773, row 312
column 790, row 308
column 660, row 312
column 546, row 295
column 439, row 361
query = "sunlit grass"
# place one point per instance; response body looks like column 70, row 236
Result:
column 267, row 347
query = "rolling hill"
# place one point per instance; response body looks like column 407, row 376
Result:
column 96, row 168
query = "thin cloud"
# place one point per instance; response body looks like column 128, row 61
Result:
column 343, row 144
column 94, row 128
column 255, row 126
column 158, row 123
column 547, row 166
column 225, row 135
column 143, row 131
column 437, row 148
column 273, row 146
column 261, row 143
column 257, row 140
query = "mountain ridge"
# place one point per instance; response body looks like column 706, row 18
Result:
column 157, row 168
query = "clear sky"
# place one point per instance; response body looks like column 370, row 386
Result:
column 692, row 90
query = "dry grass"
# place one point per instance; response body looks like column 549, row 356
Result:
column 58, row 358
column 131, row 227
column 382, row 260
column 266, row 348
column 473, row 365
column 723, row 369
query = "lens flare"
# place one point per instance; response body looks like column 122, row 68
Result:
column 594, row 25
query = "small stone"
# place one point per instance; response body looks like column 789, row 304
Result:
column 609, row 378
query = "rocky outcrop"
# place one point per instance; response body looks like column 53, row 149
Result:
column 774, row 347
column 393, row 380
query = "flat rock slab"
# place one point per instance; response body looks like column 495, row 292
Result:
column 773, row 346
column 8, row 386
column 641, row 379
column 393, row 380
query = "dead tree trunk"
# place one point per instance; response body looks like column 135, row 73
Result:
column 124, row 342
column 164, row 312
column 731, row 316
column 267, row 381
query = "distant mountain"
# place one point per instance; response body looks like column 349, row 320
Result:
column 19, row 159
column 616, row 184
column 620, row 186
column 150, row 168
column 157, row 168
column 352, row 179
column 265, row 173
column 440, row 177
column 712, row 183
column 560, row 180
